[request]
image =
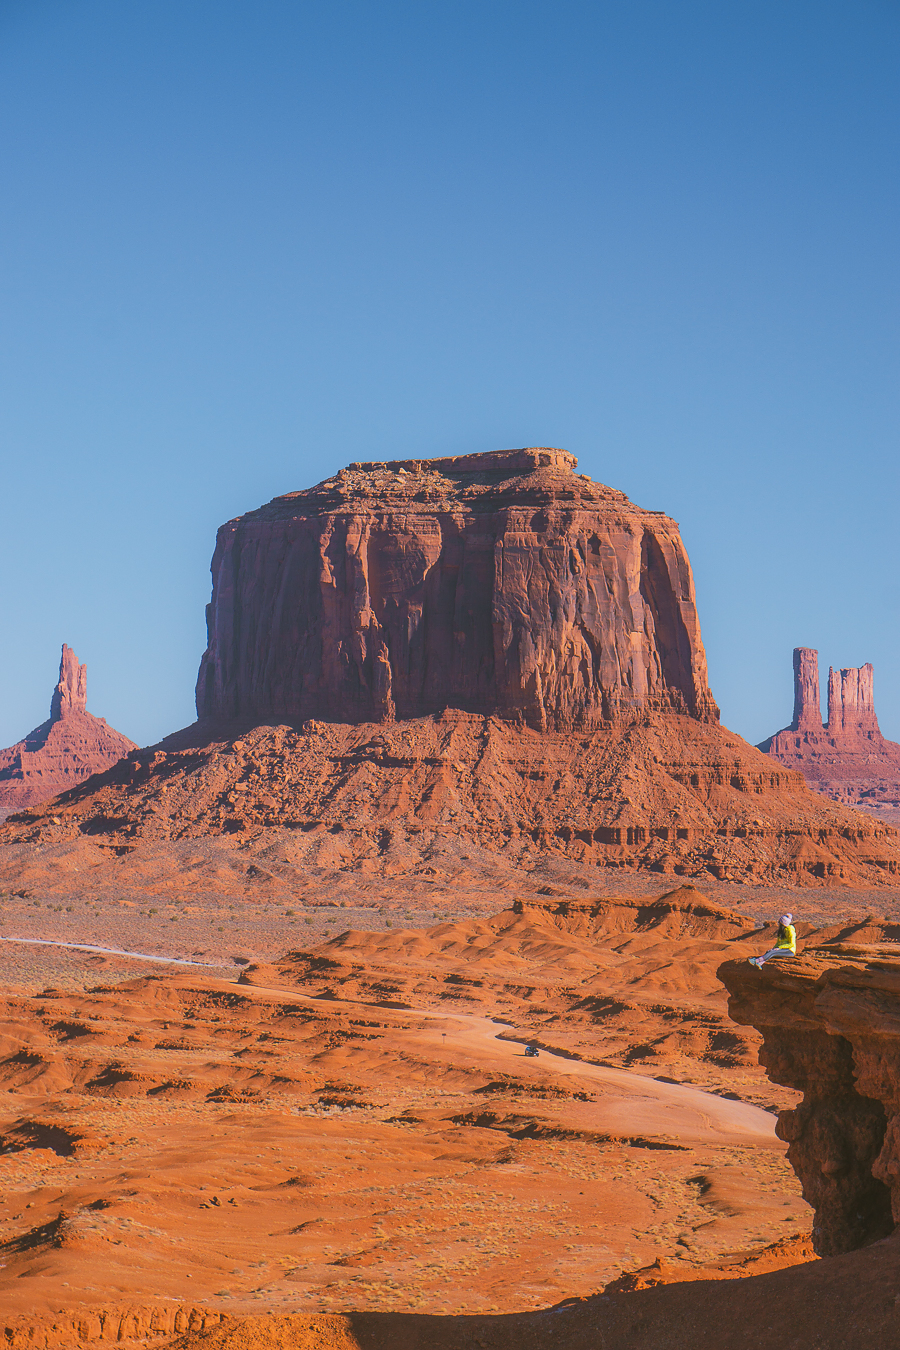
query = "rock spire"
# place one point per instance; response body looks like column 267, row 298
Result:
column 70, row 694
column 851, row 702
column 807, row 708
column 848, row 759
column 63, row 751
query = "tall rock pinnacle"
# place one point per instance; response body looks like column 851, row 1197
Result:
column 63, row 751
column 851, row 701
column 848, row 759
column 70, row 694
column 807, row 708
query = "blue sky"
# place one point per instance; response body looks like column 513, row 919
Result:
column 244, row 244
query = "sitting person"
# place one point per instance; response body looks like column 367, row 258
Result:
column 785, row 943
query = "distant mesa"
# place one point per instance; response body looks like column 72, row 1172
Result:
column 420, row 662
column 500, row 584
column 847, row 758
column 63, row 751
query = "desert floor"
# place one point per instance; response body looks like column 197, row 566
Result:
column 357, row 1127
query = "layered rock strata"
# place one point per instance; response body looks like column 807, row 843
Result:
column 830, row 1021
column 847, row 759
column 490, row 651
column 670, row 795
column 63, row 751
column 502, row 584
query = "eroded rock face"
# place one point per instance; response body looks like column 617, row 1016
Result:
column 807, row 708
column 848, row 759
column 830, row 1022
column 501, row 583
column 851, row 702
column 671, row 795
column 491, row 650
column 70, row 694
column 63, row 751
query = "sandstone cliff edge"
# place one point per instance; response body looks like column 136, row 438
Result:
column 830, row 1021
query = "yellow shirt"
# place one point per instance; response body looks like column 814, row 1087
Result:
column 788, row 939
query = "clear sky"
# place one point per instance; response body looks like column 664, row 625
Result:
column 242, row 244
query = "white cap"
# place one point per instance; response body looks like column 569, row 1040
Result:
column 786, row 919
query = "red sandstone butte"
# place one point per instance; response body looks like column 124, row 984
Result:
column 500, row 584
column 63, row 751
column 415, row 660
column 847, row 759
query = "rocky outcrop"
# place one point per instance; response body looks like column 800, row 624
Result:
column 848, row 759
column 491, row 650
column 154, row 1323
column 70, row 695
column 63, row 751
column 851, row 703
column 830, row 1021
column 502, row 584
column 807, row 708
column 670, row 795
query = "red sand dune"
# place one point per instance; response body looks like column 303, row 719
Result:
column 284, row 1142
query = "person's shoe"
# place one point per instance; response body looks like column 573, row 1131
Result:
column 754, row 961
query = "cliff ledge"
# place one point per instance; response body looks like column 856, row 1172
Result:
column 830, row 1022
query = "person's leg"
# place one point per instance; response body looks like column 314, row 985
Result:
column 767, row 956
